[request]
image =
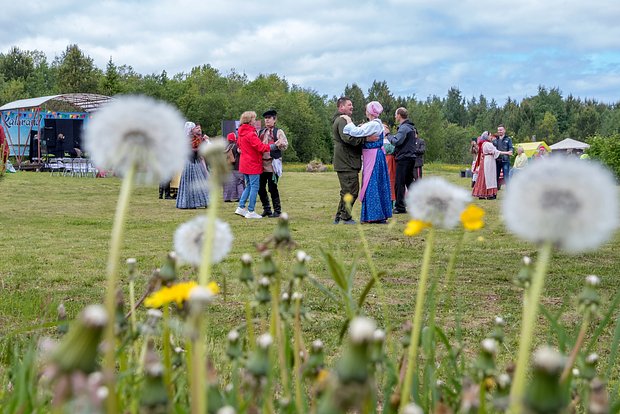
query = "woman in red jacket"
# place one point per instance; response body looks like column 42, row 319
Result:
column 250, row 163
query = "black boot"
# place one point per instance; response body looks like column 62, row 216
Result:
column 161, row 191
column 277, row 209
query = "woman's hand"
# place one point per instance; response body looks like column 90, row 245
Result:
column 347, row 118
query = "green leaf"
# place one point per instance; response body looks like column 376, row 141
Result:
column 364, row 294
column 335, row 270
column 324, row 289
column 560, row 332
column 606, row 319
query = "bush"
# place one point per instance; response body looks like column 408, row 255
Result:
column 607, row 150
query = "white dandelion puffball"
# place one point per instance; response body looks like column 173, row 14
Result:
column 362, row 329
column 188, row 240
column 140, row 130
column 436, row 201
column 570, row 202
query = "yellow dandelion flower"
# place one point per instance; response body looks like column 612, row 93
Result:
column 214, row 288
column 480, row 239
column 416, row 226
column 472, row 218
column 348, row 198
column 322, row 376
column 178, row 293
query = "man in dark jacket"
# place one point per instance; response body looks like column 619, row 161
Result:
column 503, row 143
column 405, row 154
column 347, row 159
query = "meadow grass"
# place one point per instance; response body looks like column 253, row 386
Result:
column 55, row 233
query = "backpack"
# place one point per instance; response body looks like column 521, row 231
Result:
column 230, row 154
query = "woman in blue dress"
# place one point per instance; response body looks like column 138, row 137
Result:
column 375, row 192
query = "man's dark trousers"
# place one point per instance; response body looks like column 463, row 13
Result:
column 349, row 184
column 404, row 178
column 267, row 181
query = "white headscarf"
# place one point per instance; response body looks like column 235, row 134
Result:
column 188, row 128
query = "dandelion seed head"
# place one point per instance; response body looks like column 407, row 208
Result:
column 436, row 201
column 500, row 321
column 570, row 202
column 503, row 380
column 317, row 345
column 284, row 216
column 265, row 341
column 154, row 313
column 378, row 335
column 264, row 281
column 189, row 236
column 361, row 329
column 132, row 261
column 549, row 360
column 201, row 294
column 576, row 372
column 227, row 409
column 412, row 408
column 285, row 296
column 297, row 296
column 593, row 280
column 138, row 130
column 246, row 258
column 94, row 316
column 489, row 346
column 302, row 256
column 527, row 260
column 102, row 393
column 592, row 358
column 233, row 335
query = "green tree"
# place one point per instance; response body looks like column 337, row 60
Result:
column 76, row 71
column 587, row 123
column 16, row 65
column 111, row 82
column 548, row 128
column 454, row 107
column 358, row 100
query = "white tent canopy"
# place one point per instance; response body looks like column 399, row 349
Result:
column 569, row 144
column 87, row 102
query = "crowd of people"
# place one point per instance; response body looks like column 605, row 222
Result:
column 389, row 163
column 385, row 178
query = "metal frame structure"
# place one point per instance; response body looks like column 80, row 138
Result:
column 85, row 102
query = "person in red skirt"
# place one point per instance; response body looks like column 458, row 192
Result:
column 485, row 168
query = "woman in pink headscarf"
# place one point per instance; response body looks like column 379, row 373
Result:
column 375, row 192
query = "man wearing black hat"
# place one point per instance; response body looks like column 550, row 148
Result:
column 272, row 165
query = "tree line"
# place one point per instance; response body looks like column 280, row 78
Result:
column 207, row 96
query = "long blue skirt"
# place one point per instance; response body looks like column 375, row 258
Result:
column 193, row 188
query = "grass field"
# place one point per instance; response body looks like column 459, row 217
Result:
column 55, row 232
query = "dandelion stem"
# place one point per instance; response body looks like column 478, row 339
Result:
column 276, row 332
column 450, row 272
column 109, row 364
column 527, row 328
column 417, row 320
column 299, row 405
column 249, row 321
column 375, row 276
column 165, row 337
column 573, row 354
column 214, row 202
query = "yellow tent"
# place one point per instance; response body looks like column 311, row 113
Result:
column 530, row 148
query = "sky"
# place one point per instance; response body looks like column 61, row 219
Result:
column 497, row 48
